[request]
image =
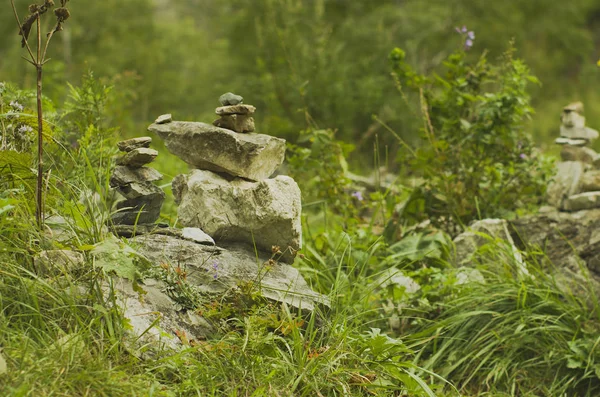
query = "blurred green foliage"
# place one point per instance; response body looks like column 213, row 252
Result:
column 303, row 62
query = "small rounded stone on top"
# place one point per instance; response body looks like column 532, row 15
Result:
column 164, row 119
column 576, row 107
column 235, row 109
column 230, row 98
column 134, row 143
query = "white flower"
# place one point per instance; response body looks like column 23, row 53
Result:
column 16, row 106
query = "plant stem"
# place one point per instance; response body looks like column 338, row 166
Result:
column 39, row 213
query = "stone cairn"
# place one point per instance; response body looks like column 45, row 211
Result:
column 229, row 193
column 576, row 185
column 234, row 115
column 143, row 199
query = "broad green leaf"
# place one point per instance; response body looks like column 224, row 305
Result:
column 113, row 255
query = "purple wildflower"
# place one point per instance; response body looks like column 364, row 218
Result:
column 523, row 156
column 357, row 195
column 469, row 36
column 215, row 267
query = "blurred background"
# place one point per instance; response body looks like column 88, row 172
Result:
column 306, row 62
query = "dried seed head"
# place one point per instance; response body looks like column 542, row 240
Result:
column 62, row 14
column 49, row 3
column 33, row 8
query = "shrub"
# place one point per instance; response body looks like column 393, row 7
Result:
column 476, row 159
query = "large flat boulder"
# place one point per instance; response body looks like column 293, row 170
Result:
column 265, row 213
column 157, row 316
column 218, row 269
column 207, row 147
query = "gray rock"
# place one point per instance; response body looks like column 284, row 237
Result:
column 265, row 213
column 566, row 182
column 590, row 181
column 142, row 206
column 482, row 233
column 230, row 99
column 572, row 142
column 237, row 123
column 57, row 228
column 164, row 118
column 137, row 157
column 137, row 190
column 134, row 143
column 578, row 153
column 56, row 262
column 468, row 275
column 397, row 278
column 218, row 269
column 123, row 175
column 193, row 234
column 586, row 133
column 196, row 235
column 204, row 146
column 136, row 230
column 582, row 201
column 135, row 217
column 569, row 243
column 155, row 319
column 148, row 202
column 237, row 109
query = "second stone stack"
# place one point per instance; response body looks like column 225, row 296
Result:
column 143, row 199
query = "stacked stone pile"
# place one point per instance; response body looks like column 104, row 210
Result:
column 229, row 193
column 576, row 185
column 234, row 115
column 143, row 200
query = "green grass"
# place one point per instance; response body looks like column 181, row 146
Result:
column 520, row 336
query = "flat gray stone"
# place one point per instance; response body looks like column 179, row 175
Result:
column 137, row 190
column 204, row 146
column 230, row 98
column 582, row 201
column 196, row 235
column 134, row 143
column 137, row 157
column 164, row 118
column 122, row 175
column 135, row 217
column 148, row 202
column 586, row 133
column 237, row 123
column 236, row 109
